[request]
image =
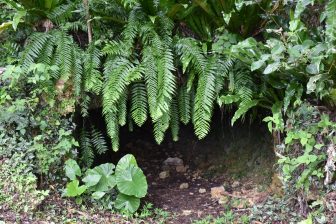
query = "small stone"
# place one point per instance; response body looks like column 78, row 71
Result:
column 186, row 212
column 235, row 184
column 217, row 192
column 202, row 190
column 191, row 193
column 173, row 161
column 181, row 169
column 164, row 174
column 154, row 183
column 184, row 186
column 223, row 200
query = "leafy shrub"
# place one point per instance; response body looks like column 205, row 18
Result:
column 34, row 136
column 18, row 186
column 119, row 187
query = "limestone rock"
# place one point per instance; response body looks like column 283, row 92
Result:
column 202, row 190
column 217, row 192
column 173, row 161
column 184, row 186
column 164, row 174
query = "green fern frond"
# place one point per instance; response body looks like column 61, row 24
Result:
column 111, row 120
column 122, row 109
column 242, row 109
column 36, row 44
column 62, row 59
column 86, row 147
column 204, row 100
column 92, row 76
column 98, row 141
column 174, row 120
column 160, row 127
column 166, row 82
column 184, row 106
column 116, row 73
column 62, row 13
column 85, row 103
column 150, row 74
column 191, row 55
column 139, row 103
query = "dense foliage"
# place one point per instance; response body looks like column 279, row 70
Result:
column 169, row 63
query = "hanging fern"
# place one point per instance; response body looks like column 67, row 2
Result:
column 139, row 103
column 98, row 141
column 86, row 148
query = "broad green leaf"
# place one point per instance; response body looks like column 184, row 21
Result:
column 98, row 195
column 92, row 178
column 125, row 161
column 311, row 85
column 72, row 169
column 128, row 203
column 100, row 178
column 132, row 181
column 271, row 68
column 17, row 18
column 257, row 64
column 73, row 189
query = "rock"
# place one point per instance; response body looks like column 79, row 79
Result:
column 173, row 161
column 217, row 192
column 186, row 212
column 184, row 186
column 181, row 169
column 223, row 200
column 164, row 174
column 202, row 190
column 235, row 184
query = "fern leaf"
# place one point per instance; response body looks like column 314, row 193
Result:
column 98, row 141
column 36, row 44
column 204, row 100
column 166, row 82
column 122, row 109
column 93, row 78
column 87, row 150
column 160, row 127
column 174, row 120
column 111, row 120
column 184, row 104
column 243, row 108
column 139, row 103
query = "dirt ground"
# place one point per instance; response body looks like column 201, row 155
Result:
column 242, row 161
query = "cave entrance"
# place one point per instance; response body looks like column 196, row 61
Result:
column 184, row 176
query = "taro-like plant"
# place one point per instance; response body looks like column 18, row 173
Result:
column 119, row 186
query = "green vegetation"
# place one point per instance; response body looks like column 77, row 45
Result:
column 167, row 63
column 100, row 182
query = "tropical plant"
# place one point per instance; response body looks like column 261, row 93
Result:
column 119, row 187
